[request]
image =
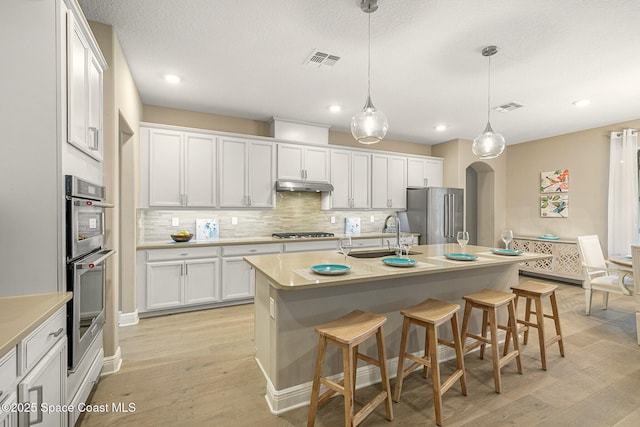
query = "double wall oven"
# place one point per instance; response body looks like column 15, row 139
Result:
column 86, row 259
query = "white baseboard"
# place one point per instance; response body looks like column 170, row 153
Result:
column 281, row 401
column 128, row 319
column 111, row 364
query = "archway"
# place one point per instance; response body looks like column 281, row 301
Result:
column 480, row 203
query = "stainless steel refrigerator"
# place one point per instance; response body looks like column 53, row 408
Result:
column 436, row 213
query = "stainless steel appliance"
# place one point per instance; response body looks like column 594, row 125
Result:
column 86, row 258
column 301, row 235
column 436, row 213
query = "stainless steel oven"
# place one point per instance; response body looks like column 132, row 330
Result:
column 86, row 259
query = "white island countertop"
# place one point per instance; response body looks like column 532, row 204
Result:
column 292, row 271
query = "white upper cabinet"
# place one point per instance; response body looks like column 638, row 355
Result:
column 424, row 172
column 388, row 182
column 200, row 177
column 350, row 180
column 302, row 162
column 246, row 173
column 182, row 168
column 85, row 93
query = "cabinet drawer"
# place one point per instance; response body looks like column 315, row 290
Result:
column 182, row 253
column 8, row 373
column 41, row 340
column 237, row 250
column 319, row 245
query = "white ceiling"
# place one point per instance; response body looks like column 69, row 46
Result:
column 245, row 58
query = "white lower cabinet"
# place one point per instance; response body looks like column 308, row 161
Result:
column 237, row 279
column 237, row 275
column 177, row 278
column 43, row 389
column 33, row 377
column 8, row 418
column 8, row 397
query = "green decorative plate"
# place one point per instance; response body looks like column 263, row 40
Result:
column 461, row 257
column 330, row 269
column 399, row 262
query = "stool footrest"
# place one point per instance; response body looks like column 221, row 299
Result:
column 333, row 389
column 368, row 408
column 368, row 359
column 450, row 381
column 485, row 340
column 508, row 358
column 552, row 340
column 447, row 343
column 527, row 323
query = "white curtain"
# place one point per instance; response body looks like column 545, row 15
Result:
column 623, row 192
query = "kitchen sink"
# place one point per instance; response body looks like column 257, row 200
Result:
column 378, row 253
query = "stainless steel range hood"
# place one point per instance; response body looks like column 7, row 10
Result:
column 303, row 186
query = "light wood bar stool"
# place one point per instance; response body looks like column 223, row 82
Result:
column 347, row 333
column 430, row 314
column 535, row 291
column 489, row 301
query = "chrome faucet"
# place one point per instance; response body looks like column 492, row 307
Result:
column 385, row 229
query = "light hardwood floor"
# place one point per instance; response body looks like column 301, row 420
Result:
column 197, row 369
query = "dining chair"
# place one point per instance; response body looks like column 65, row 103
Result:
column 635, row 261
column 597, row 275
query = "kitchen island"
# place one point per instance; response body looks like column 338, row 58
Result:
column 290, row 301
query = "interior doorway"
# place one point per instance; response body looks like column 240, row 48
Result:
column 480, row 204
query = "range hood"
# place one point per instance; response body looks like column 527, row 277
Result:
column 286, row 185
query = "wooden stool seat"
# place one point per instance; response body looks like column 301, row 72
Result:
column 348, row 332
column 489, row 301
column 430, row 314
column 535, row 291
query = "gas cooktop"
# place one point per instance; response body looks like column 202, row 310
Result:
column 301, row 235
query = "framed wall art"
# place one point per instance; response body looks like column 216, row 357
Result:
column 556, row 181
column 554, row 206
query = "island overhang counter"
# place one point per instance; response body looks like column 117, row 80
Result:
column 291, row 300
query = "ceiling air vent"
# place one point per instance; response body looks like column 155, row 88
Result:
column 323, row 59
column 505, row 108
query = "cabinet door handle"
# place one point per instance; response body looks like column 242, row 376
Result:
column 186, row 269
column 182, row 269
column 57, row 333
column 39, row 418
column 94, row 144
column 186, row 199
column 250, row 201
column 426, row 182
column 305, row 174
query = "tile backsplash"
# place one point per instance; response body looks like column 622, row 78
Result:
column 294, row 212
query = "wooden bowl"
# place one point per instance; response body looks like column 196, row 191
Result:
column 181, row 237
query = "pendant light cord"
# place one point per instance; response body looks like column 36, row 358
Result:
column 369, row 58
column 489, row 93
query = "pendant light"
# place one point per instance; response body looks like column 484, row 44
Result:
column 370, row 125
column 488, row 144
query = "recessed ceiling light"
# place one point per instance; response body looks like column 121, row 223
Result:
column 440, row 128
column 582, row 103
column 172, row 78
column 335, row 108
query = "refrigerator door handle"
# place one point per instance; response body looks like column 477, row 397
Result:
column 452, row 206
column 445, row 206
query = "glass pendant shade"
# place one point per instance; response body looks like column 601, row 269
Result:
column 369, row 126
column 488, row 144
